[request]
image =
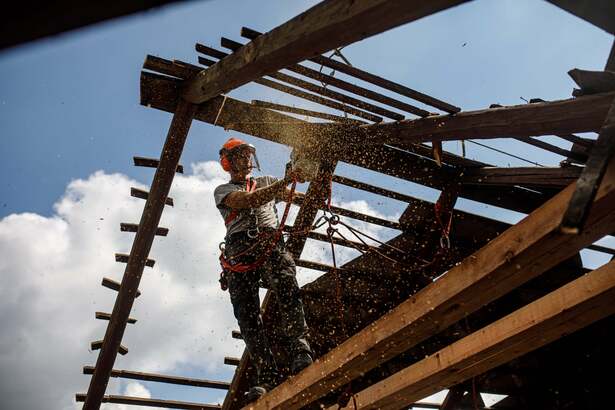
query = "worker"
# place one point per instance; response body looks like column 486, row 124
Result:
column 252, row 255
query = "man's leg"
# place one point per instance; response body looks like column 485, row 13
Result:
column 280, row 275
column 243, row 289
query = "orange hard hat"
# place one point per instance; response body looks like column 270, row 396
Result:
column 230, row 147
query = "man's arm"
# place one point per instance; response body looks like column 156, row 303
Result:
column 245, row 200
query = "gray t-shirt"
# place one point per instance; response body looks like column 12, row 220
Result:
column 265, row 216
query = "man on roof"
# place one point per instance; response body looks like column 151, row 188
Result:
column 254, row 253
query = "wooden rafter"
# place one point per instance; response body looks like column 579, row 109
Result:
column 526, row 176
column 565, row 310
column 600, row 13
column 513, row 258
column 327, row 25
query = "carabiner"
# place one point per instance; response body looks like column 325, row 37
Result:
column 253, row 233
column 445, row 242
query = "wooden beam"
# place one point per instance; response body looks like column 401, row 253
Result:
column 169, row 159
column 561, row 312
column 97, row 344
column 590, row 178
column 152, row 163
column 107, row 316
column 320, row 89
column 141, row 401
column 139, row 193
column 600, row 13
column 521, row 253
column 153, row 377
column 301, row 111
column 526, row 176
column 162, row 93
column 124, row 258
column 113, row 285
column 327, row 102
column 371, row 78
column 129, row 227
column 327, row 25
column 579, row 158
column 231, row 361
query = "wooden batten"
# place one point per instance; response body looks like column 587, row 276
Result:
column 98, row 344
column 113, row 285
column 232, row 361
column 139, row 193
column 124, row 258
column 141, row 401
column 107, row 316
column 129, row 227
column 152, row 163
column 301, row 111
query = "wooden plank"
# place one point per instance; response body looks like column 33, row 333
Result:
column 371, row 78
column 301, row 111
column 561, row 312
column 124, row 258
column 232, row 361
column 590, row 178
column 526, row 176
column 602, row 249
column 141, row 401
column 308, row 96
column 373, row 189
column 152, row 163
column 98, row 344
column 327, row 25
column 521, row 253
column 600, row 13
column 113, row 285
column 236, row 334
column 320, row 89
column 129, row 227
column 169, row 159
column 153, row 377
column 317, row 266
column 139, row 193
column 107, row 316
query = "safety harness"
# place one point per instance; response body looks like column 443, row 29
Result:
column 273, row 238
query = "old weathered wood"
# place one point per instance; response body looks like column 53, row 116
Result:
column 370, row 78
column 323, row 27
column 129, row 227
column 592, row 82
column 561, row 312
column 319, row 89
column 232, row 361
column 139, row 193
column 301, row 111
column 336, row 240
column 316, row 266
column 598, row 12
column 373, row 189
column 113, row 285
column 519, row 254
column 153, row 377
column 162, row 93
column 96, row 345
column 577, row 157
column 107, row 316
column 124, row 258
column 169, row 159
column 308, row 96
column 152, row 163
column 141, row 401
column 602, row 249
column 590, row 178
column 236, row 334
column 527, row 176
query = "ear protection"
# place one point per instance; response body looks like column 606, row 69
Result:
column 224, row 160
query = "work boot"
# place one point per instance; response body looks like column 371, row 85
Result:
column 255, row 393
column 301, row 361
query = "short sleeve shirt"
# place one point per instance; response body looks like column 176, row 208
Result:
column 264, row 216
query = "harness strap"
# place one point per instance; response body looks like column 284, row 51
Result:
column 250, row 187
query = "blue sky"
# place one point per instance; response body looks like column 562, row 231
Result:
column 69, row 106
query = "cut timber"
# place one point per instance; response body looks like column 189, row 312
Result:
column 99, row 343
column 236, row 334
column 128, row 227
column 519, row 254
column 231, row 361
column 140, row 401
column 561, row 312
column 152, row 377
column 107, row 316
column 152, row 163
column 327, row 25
column 123, row 258
column 144, row 238
column 113, row 285
column 139, row 193
column 529, row 176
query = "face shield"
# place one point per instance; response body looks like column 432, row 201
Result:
column 245, row 152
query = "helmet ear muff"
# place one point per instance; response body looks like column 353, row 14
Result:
column 226, row 164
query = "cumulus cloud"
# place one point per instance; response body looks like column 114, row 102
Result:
column 52, row 268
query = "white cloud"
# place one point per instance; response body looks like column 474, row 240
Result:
column 52, row 268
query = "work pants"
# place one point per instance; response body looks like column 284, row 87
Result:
column 278, row 274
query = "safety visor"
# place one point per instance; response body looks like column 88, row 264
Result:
column 247, row 148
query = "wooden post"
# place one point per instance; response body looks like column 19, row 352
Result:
column 169, row 159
